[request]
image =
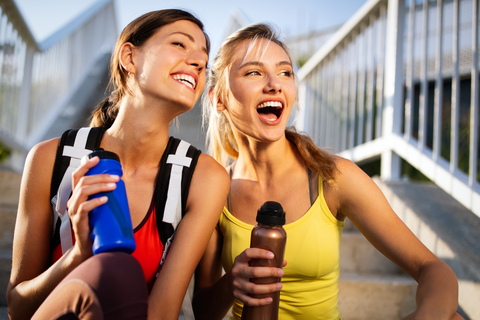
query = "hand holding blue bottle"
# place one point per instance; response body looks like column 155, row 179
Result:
column 110, row 223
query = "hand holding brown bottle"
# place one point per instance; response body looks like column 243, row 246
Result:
column 242, row 272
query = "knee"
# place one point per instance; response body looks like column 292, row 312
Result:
column 116, row 265
column 116, row 270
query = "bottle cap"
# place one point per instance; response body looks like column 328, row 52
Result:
column 271, row 213
column 103, row 154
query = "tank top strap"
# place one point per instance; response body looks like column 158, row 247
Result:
column 229, row 190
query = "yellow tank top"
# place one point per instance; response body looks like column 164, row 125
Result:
column 310, row 282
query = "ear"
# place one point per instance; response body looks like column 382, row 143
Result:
column 220, row 106
column 126, row 57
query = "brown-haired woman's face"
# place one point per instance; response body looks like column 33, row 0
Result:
column 262, row 90
column 170, row 66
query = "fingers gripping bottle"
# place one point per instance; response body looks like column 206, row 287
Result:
column 110, row 223
column 268, row 234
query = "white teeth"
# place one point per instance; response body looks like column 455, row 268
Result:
column 270, row 104
column 188, row 80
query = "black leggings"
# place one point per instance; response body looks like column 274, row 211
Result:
column 106, row 286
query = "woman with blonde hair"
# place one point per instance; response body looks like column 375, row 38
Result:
column 252, row 92
column 158, row 70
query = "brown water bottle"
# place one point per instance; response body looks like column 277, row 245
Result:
column 268, row 234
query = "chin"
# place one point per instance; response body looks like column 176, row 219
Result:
column 272, row 136
column 185, row 105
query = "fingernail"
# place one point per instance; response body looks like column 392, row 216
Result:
column 103, row 199
column 279, row 286
column 114, row 177
column 269, row 300
column 280, row 272
column 270, row 255
column 111, row 185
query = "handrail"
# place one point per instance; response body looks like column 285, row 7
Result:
column 73, row 25
column 381, row 105
column 340, row 35
column 10, row 8
column 37, row 80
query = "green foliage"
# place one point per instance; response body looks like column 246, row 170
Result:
column 371, row 168
column 4, row 152
column 412, row 173
column 302, row 60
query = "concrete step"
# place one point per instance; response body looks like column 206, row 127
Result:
column 7, row 226
column 360, row 256
column 9, row 187
column 5, row 268
column 373, row 297
column 3, row 313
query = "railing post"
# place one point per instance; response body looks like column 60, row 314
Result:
column 300, row 118
column 474, row 99
column 23, row 104
column 393, row 98
column 455, row 89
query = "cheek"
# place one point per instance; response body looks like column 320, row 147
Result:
column 201, row 82
column 242, row 93
column 291, row 93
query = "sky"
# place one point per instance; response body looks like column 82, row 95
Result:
column 44, row 17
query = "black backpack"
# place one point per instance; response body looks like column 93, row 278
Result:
column 171, row 187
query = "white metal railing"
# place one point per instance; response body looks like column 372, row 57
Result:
column 399, row 80
column 38, row 79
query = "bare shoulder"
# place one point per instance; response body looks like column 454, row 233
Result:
column 209, row 169
column 44, row 149
column 348, row 171
column 210, row 182
column 352, row 183
column 41, row 158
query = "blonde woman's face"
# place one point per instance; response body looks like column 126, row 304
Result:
column 262, row 90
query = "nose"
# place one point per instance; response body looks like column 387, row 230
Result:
column 273, row 85
column 197, row 59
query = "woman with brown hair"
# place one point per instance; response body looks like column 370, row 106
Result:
column 158, row 72
column 252, row 92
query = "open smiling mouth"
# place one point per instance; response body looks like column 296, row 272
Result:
column 270, row 110
column 186, row 79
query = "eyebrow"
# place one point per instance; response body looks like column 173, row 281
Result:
column 261, row 64
column 204, row 49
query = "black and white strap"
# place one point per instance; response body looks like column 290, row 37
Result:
column 59, row 202
column 173, row 207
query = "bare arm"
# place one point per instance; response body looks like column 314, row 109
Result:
column 32, row 278
column 207, row 195
column 361, row 200
column 213, row 293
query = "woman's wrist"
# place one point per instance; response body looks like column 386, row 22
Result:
column 227, row 288
column 77, row 255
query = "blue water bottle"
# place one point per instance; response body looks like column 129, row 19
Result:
column 110, row 223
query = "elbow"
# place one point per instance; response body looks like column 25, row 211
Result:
column 14, row 305
column 11, row 302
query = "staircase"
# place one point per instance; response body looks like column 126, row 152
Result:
column 371, row 286
column 9, row 192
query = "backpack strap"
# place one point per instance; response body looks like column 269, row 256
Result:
column 173, row 207
column 173, row 182
column 73, row 145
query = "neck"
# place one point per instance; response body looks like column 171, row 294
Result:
column 264, row 161
column 139, row 134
